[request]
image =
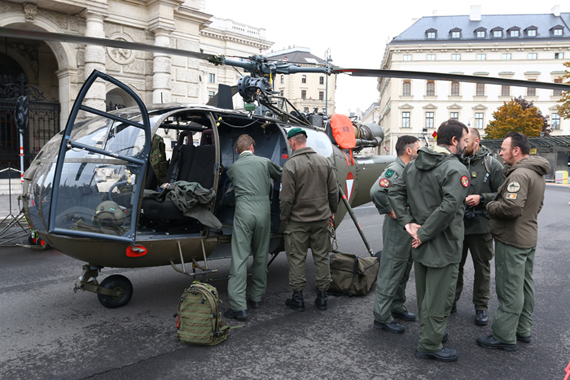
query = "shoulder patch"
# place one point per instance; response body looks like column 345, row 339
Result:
column 511, row 195
column 384, row 182
column 389, row 173
column 465, row 181
column 513, row 187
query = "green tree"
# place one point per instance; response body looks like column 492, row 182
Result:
column 517, row 115
column 564, row 108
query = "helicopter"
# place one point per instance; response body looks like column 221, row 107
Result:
column 101, row 191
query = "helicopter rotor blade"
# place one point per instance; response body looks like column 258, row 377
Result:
column 70, row 38
column 450, row 77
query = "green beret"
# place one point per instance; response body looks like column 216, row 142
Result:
column 295, row 132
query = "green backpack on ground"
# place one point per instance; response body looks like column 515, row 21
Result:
column 200, row 317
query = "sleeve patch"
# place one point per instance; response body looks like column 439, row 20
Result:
column 465, row 181
column 513, row 187
column 511, row 195
column 384, row 182
column 389, row 173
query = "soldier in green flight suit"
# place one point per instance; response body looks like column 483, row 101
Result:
column 396, row 260
column 251, row 177
column 514, row 225
column 429, row 200
column 486, row 176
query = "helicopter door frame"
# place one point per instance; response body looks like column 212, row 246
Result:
column 136, row 163
column 217, row 166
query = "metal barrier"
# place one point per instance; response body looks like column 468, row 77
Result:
column 13, row 228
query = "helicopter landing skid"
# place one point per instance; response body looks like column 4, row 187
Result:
column 205, row 270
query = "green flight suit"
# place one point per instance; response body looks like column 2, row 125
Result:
column 431, row 192
column 514, row 225
column 396, row 261
column 251, row 177
column 309, row 196
column 486, row 175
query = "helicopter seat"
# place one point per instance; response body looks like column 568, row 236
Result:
column 200, row 169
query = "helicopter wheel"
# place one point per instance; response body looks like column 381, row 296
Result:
column 120, row 284
column 42, row 244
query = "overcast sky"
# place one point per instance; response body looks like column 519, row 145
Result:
column 356, row 31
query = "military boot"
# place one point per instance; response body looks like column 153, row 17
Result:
column 321, row 300
column 296, row 302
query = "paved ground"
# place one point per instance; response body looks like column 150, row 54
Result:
column 48, row 332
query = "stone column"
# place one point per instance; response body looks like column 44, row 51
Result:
column 65, row 76
column 95, row 59
column 162, row 70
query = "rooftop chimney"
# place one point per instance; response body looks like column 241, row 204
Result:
column 556, row 10
column 434, row 13
column 475, row 14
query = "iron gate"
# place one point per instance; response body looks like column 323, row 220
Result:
column 43, row 123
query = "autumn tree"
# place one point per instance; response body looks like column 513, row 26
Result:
column 518, row 115
column 564, row 107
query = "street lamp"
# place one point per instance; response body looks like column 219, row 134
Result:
column 469, row 124
column 328, row 60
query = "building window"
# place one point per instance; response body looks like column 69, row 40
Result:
column 555, row 118
column 455, row 34
column 211, row 78
column 507, row 56
column 531, row 32
column 480, row 34
column 481, row 57
column 557, row 92
column 303, row 94
column 456, row 57
column 479, row 119
column 306, row 109
column 505, row 90
column 429, row 120
column 430, row 88
column 531, row 91
column 405, row 120
column 407, row 57
column 532, row 56
column 497, row 33
column 431, row 34
column 558, row 55
column 321, row 95
column 514, row 33
column 211, row 94
column 557, row 32
column 454, row 115
column 281, row 93
column 480, row 89
column 454, row 88
column 407, row 88
column 304, row 79
column 282, row 79
column 431, row 57
column 321, row 80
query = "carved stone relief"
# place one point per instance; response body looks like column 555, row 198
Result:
column 121, row 56
column 30, row 11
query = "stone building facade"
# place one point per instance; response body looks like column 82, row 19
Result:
column 58, row 70
column 530, row 47
column 155, row 77
column 306, row 91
